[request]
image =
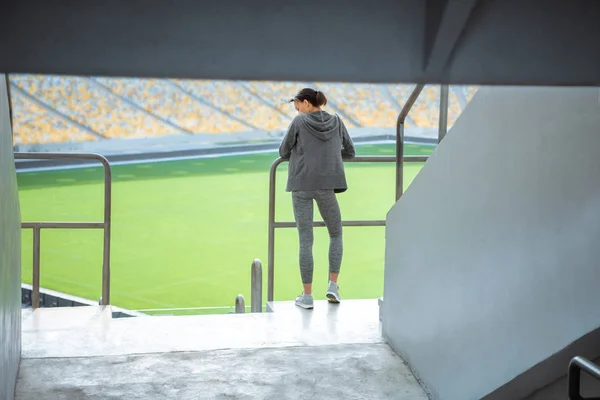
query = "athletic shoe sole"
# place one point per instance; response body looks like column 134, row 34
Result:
column 332, row 298
column 305, row 306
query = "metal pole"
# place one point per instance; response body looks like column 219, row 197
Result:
column 256, row 289
column 10, row 110
column 399, row 160
column 271, row 249
column 240, row 305
column 400, row 139
column 107, row 225
column 574, row 377
column 443, row 129
column 62, row 225
column 574, row 382
column 35, row 295
column 321, row 224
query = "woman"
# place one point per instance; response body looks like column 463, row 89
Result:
column 315, row 144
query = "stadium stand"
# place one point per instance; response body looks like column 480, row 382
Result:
column 364, row 103
column 237, row 102
column 454, row 108
column 81, row 100
column 276, row 94
column 168, row 101
column 426, row 111
column 66, row 108
column 36, row 124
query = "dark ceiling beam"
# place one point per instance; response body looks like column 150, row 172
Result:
column 444, row 24
column 485, row 42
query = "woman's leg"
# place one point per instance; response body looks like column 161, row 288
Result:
column 303, row 213
column 330, row 211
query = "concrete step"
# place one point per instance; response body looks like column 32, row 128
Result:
column 54, row 319
column 90, row 331
column 350, row 371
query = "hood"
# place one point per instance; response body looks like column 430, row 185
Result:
column 321, row 124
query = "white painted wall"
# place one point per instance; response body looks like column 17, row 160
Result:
column 493, row 253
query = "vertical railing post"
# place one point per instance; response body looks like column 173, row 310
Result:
column 256, row 287
column 574, row 382
column 271, row 249
column 576, row 365
column 443, row 120
column 105, row 299
column 400, row 139
column 35, row 295
column 399, row 159
column 240, row 304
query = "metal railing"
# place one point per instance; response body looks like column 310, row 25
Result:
column 443, row 121
column 256, row 287
column 399, row 159
column 290, row 224
column 400, row 138
column 105, row 224
column 575, row 366
column 240, row 304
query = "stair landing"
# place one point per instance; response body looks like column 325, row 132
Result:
column 333, row 351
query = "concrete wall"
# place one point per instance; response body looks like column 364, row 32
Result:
column 492, row 255
column 10, row 256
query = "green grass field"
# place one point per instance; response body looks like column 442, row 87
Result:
column 185, row 232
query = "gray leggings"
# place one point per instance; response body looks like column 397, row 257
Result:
column 330, row 211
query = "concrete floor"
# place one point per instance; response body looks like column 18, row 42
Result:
column 331, row 352
column 355, row 371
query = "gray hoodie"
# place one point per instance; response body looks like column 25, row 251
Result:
column 315, row 145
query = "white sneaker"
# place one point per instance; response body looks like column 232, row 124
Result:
column 333, row 293
column 305, row 301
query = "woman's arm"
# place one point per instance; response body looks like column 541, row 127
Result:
column 289, row 141
column 348, row 151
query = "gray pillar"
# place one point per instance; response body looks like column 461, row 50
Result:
column 10, row 255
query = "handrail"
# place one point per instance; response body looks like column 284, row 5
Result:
column 256, row 287
column 105, row 224
column 443, row 121
column 399, row 159
column 575, row 366
column 400, row 138
column 274, row 224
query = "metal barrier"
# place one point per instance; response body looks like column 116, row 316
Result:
column 290, row 224
column 105, row 225
column 400, row 138
column 443, row 121
column 399, row 159
column 575, row 366
column 240, row 304
column 256, row 287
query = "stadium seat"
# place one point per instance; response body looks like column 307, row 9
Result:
column 132, row 107
column 35, row 124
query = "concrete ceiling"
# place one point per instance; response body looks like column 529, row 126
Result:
column 511, row 42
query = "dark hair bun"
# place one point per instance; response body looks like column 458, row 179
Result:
column 314, row 97
column 320, row 98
